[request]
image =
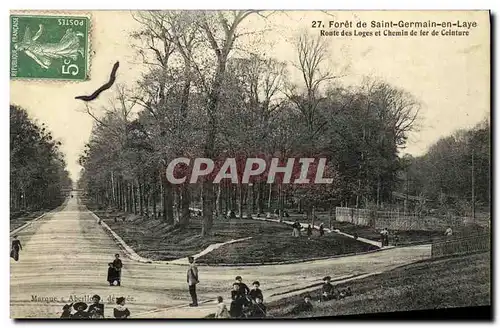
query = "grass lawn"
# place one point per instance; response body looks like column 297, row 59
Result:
column 18, row 219
column 271, row 242
column 277, row 244
column 431, row 284
column 407, row 237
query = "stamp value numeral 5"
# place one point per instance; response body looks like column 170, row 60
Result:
column 69, row 69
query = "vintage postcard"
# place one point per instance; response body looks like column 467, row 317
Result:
column 249, row 164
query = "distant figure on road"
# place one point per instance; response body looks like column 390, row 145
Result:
column 321, row 229
column 384, row 236
column 309, row 231
column 327, row 291
column 121, row 311
column 192, row 280
column 16, row 247
column 296, row 229
column 222, row 312
column 118, row 265
column 80, row 313
column 305, row 306
column 96, row 309
column 448, row 232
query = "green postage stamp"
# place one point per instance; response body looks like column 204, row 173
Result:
column 49, row 47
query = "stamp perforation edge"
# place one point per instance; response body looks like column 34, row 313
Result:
column 55, row 13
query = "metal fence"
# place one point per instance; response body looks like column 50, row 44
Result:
column 396, row 220
column 468, row 245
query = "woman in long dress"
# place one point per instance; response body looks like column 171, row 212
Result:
column 16, row 247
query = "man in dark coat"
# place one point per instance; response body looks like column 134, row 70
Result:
column 118, row 265
column 192, row 280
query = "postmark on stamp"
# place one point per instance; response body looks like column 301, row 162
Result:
column 49, row 47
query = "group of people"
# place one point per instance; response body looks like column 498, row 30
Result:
column 297, row 227
column 81, row 310
column 245, row 302
column 384, row 237
column 328, row 293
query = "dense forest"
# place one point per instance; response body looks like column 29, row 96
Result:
column 455, row 173
column 205, row 95
column 38, row 176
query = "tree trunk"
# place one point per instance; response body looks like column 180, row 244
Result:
column 260, row 197
column 141, row 203
column 168, row 210
column 218, row 202
column 280, row 202
column 252, row 199
column 313, row 216
column 207, row 208
column 240, row 200
column 185, row 202
column 113, row 198
column 270, row 195
column 134, row 197
column 154, row 200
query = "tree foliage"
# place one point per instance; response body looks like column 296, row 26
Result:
column 199, row 97
column 38, row 178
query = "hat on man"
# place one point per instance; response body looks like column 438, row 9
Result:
column 80, row 306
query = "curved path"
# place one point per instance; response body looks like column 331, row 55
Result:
column 65, row 255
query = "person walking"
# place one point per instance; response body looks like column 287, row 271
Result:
column 16, row 247
column 118, row 265
column 192, row 280
column 296, row 229
column 321, row 229
column 309, row 231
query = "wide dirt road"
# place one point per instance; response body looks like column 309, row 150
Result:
column 65, row 256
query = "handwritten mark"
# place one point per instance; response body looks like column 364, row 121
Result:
column 112, row 78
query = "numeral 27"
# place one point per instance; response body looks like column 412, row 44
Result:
column 316, row 24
